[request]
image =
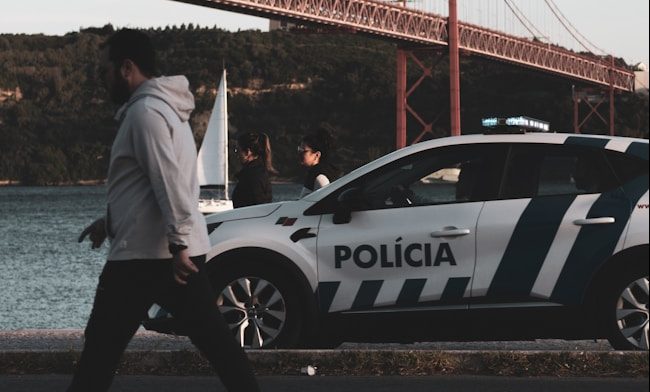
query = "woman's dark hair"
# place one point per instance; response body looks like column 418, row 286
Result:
column 322, row 141
column 133, row 45
column 260, row 145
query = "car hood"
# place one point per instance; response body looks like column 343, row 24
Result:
column 257, row 211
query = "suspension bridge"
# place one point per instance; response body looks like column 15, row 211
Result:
column 502, row 30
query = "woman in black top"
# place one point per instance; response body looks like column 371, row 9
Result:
column 314, row 153
column 253, row 184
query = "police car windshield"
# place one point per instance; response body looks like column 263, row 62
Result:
column 319, row 193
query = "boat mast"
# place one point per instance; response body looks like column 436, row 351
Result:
column 225, row 136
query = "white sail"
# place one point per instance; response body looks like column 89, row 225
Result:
column 213, row 154
column 212, row 162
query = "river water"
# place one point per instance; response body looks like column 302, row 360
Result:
column 47, row 279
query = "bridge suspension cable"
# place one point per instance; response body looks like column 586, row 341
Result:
column 543, row 21
column 524, row 20
column 579, row 37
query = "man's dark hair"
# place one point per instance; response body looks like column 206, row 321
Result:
column 132, row 45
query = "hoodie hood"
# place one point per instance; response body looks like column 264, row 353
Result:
column 174, row 90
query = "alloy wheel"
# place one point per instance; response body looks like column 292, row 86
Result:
column 254, row 309
column 632, row 313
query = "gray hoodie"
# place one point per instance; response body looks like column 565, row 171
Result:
column 153, row 188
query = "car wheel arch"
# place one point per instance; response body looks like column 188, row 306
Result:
column 307, row 295
column 633, row 258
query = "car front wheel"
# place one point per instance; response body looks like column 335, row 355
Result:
column 259, row 304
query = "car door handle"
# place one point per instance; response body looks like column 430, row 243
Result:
column 594, row 221
column 450, row 232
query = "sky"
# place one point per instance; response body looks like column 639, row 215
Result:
column 619, row 27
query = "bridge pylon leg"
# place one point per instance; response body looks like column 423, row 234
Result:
column 454, row 69
column 400, row 134
column 593, row 99
column 404, row 91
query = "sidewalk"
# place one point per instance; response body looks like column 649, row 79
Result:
column 55, row 351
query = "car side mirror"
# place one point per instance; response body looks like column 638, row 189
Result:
column 346, row 201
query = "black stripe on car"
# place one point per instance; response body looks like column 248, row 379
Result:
column 587, row 141
column 596, row 243
column 639, row 150
column 326, row 292
column 455, row 289
column 410, row 293
column 529, row 245
column 367, row 294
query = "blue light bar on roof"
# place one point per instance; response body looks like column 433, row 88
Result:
column 522, row 122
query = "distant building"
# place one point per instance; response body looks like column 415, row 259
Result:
column 641, row 78
column 280, row 25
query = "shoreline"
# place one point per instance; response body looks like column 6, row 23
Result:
column 8, row 183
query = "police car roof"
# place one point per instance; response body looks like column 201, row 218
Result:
column 615, row 143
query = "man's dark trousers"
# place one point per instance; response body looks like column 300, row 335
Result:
column 126, row 291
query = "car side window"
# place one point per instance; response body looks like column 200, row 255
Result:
column 565, row 175
column 440, row 176
column 625, row 166
column 547, row 170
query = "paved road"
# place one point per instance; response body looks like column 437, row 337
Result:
column 49, row 383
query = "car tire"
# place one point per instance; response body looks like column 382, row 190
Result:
column 625, row 311
column 260, row 304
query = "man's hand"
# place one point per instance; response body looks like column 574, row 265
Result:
column 97, row 232
column 183, row 267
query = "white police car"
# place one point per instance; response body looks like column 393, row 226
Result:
column 471, row 237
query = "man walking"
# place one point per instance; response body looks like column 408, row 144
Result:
column 158, row 238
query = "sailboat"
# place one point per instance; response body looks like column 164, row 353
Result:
column 212, row 161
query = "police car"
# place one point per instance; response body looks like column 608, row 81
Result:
column 504, row 236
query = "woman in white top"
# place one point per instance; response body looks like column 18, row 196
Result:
column 314, row 153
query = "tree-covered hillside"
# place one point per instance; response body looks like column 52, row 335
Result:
column 58, row 128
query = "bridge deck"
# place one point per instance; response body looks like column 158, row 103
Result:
column 413, row 26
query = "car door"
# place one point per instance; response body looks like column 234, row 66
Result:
column 559, row 215
column 410, row 241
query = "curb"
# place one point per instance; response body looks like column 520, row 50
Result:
column 355, row 362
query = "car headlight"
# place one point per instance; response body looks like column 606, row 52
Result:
column 213, row 226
